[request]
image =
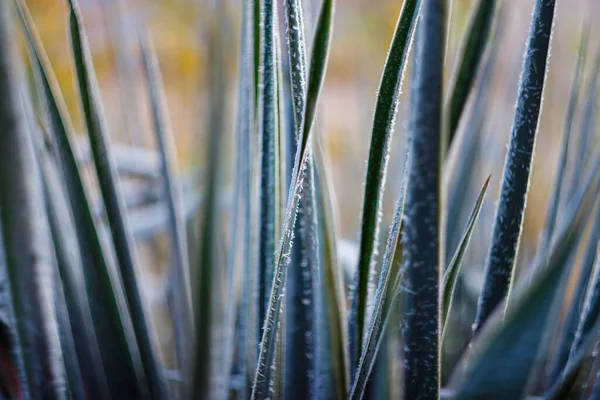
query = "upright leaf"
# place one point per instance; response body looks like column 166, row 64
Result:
column 515, row 180
column 102, row 285
column 26, row 234
column 333, row 286
column 248, row 326
column 268, row 146
column 453, row 270
column 303, row 357
column 588, row 123
column 115, row 210
column 422, row 249
column 504, row 353
column 319, row 58
column 390, row 88
column 552, row 212
column 387, row 289
column 182, row 298
column 470, row 55
column 208, row 257
column 72, row 282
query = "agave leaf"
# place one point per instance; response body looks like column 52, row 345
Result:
column 387, row 289
column 453, row 271
column 67, row 344
column 506, row 349
column 515, row 179
column 590, row 313
column 182, row 301
column 471, row 53
column 558, row 184
column 117, row 217
column 577, row 366
column 333, row 286
column 101, row 283
column 574, row 312
column 239, row 222
column 306, row 353
column 422, row 249
column 280, row 184
column 83, row 361
column 26, row 236
column 247, row 332
column 460, row 165
column 12, row 366
column 390, row 88
column 320, row 54
column 587, row 129
column 268, row 150
column 210, row 260
column 571, row 322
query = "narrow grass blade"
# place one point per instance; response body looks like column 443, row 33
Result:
column 453, row 271
column 422, row 249
column 25, row 233
column 119, row 224
column 390, row 88
column 504, row 352
column 101, row 283
column 387, row 290
column 471, row 53
column 552, row 213
column 515, row 179
column 320, row 54
column 182, row 298
column 333, row 285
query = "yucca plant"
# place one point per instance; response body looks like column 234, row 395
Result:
column 273, row 316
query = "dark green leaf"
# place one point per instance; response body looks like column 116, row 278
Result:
column 102, row 284
column 515, row 179
column 381, row 136
column 115, row 210
column 387, row 289
column 422, row 249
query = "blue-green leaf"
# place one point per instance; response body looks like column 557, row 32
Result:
column 515, row 179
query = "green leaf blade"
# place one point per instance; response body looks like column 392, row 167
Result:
column 383, row 122
column 516, row 175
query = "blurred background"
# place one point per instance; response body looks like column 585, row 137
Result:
column 363, row 29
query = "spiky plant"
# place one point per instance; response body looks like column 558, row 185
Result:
column 272, row 317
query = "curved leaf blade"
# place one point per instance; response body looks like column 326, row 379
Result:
column 381, row 136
